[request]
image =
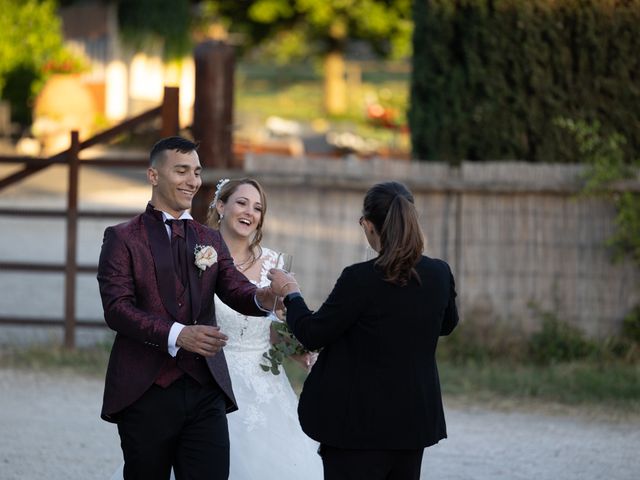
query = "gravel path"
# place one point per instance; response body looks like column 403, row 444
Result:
column 491, row 445
column 51, row 430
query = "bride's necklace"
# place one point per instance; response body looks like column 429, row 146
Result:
column 245, row 264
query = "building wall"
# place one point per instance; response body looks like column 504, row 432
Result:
column 124, row 81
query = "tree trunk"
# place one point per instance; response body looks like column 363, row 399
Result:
column 335, row 85
column 213, row 114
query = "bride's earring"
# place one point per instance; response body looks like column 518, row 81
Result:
column 220, row 218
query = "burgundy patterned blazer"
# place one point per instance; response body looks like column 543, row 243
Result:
column 137, row 286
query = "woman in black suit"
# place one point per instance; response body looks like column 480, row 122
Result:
column 373, row 398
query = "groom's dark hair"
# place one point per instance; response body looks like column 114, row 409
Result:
column 179, row 144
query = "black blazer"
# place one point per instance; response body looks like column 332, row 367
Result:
column 375, row 384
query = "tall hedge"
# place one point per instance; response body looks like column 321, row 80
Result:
column 491, row 76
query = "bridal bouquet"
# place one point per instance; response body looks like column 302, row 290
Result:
column 287, row 346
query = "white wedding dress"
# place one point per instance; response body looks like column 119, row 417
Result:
column 267, row 442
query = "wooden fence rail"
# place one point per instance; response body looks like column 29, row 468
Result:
column 168, row 113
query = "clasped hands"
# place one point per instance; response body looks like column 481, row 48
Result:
column 282, row 282
column 207, row 340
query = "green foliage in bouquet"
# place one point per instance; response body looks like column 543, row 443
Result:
column 287, row 346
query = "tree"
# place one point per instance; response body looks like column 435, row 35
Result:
column 284, row 29
column 490, row 77
column 294, row 29
column 30, row 36
column 168, row 20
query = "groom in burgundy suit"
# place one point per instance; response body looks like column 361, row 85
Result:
column 167, row 385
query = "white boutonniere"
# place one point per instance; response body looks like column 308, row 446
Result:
column 206, row 256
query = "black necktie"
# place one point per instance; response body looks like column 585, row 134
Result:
column 179, row 249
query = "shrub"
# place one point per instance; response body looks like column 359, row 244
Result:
column 631, row 326
column 488, row 75
column 558, row 341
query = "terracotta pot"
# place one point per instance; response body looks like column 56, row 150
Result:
column 64, row 104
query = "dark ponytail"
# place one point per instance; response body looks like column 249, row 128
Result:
column 389, row 206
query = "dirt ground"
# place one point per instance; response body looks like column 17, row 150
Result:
column 51, row 430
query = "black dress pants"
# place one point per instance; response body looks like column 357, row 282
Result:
column 350, row 464
column 183, row 426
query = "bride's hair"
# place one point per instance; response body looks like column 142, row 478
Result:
column 389, row 206
column 225, row 190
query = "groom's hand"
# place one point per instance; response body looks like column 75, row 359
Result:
column 204, row 340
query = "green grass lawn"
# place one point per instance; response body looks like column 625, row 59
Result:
column 574, row 383
column 296, row 93
column 88, row 361
column 585, row 383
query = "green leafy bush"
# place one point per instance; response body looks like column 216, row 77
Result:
column 631, row 326
column 558, row 342
column 606, row 164
column 481, row 343
column 31, row 48
column 488, row 75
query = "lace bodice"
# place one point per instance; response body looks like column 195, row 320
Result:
column 249, row 338
column 247, row 333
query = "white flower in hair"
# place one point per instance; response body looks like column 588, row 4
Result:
column 221, row 183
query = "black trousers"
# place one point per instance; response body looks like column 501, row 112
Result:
column 348, row 464
column 183, row 426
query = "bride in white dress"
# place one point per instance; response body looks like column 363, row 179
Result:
column 266, row 440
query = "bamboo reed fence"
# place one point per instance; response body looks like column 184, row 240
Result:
column 515, row 234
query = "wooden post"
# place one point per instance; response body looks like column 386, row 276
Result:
column 335, row 85
column 170, row 112
column 71, row 266
column 213, row 113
